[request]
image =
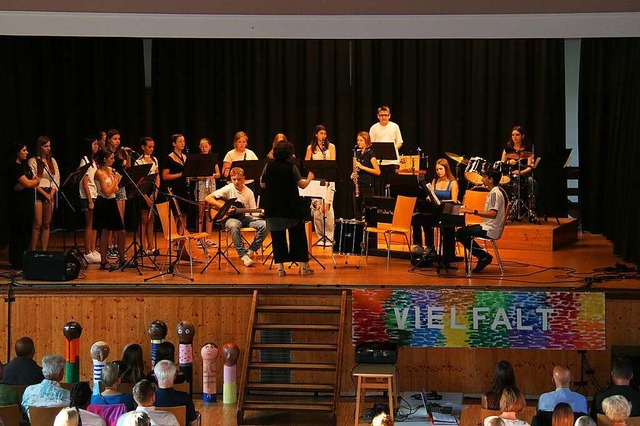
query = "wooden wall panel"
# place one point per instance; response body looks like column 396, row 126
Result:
column 121, row 319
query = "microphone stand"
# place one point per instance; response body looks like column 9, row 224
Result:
column 64, row 197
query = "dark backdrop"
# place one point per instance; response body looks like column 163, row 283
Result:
column 447, row 95
column 609, row 148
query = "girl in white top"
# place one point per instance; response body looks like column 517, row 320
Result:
column 147, row 239
column 88, row 186
column 44, row 167
column 240, row 152
column 321, row 149
column 206, row 186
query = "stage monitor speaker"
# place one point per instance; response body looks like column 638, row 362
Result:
column 633, row 354
column 50, row 266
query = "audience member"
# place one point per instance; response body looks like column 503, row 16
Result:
column 67, row 417
column 167, row 396
column 23, row 370
column 132, row 364
column 135, row 418
column 562, row 380
column 503, row 377
column 511, row 403
column 493, row 421
column 145, row 396
column 617, row 409
column 110, row 396
column 167, row 351
column 48, row 393
column 621, row 375
column 8, row 394
column 562, row 415
column 585, row 421
column 80, row 398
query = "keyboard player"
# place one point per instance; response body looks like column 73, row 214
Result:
column 445, row 186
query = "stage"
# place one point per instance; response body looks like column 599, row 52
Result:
column 118, row 307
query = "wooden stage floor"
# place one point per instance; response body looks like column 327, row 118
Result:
column 568, row 267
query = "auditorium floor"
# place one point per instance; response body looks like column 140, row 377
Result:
column 567, row 268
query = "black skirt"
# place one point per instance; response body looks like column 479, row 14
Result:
column 106, row 215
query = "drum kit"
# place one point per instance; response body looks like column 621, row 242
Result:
column 520, row 188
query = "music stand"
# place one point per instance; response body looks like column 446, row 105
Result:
column 553, row 163
column 74, row 180
column 218, row 219
column 385, row 151
column 252, row 169
column 135, row 176
column 325, row 171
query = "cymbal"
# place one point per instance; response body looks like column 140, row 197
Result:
column 518, row 155
column 457, row 158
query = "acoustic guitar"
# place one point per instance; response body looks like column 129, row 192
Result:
column 237, row 211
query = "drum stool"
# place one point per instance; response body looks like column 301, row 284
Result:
column 379, row 377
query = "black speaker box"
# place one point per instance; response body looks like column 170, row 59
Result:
column 50, row 266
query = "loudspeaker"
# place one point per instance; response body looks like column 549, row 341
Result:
column 50, row 266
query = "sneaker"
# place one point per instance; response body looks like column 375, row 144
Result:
column 306, row 271
column 112, row 252
column 483, row 263
column 210, row 243
column 251, row 253
column 247, row 260
column 89, row 258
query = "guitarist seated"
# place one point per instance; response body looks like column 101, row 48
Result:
column 239, row 216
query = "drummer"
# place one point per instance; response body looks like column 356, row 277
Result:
column 518, row 153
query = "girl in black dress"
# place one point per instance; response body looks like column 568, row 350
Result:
column 172, row 171
column 22, row 194
column 365, row 167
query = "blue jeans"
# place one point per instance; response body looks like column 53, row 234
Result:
column 234, row 226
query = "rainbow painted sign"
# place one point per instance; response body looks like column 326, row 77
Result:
column 480, row 319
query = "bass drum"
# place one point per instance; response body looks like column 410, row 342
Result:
column 475, row 169
column 503, row 167
column 349, row 237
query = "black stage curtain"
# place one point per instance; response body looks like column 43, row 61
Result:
column 609, row 150
column 447, row 95
column 67, row 88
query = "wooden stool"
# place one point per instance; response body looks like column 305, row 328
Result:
column 376, row 376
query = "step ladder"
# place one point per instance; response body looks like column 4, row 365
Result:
column 315, row 322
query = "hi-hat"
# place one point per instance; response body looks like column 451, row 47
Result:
column 518, row 155
column 457, row 158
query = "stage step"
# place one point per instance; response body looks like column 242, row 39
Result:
column 322, row 355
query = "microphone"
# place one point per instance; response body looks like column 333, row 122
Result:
column 40, row 161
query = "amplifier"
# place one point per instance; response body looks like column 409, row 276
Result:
column 50, row 265
column 376, row 353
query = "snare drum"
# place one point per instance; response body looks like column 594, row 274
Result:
column 475, row 169
column 349, row 237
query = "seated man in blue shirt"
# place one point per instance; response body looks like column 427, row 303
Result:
column 167, row 396
column 562, row 380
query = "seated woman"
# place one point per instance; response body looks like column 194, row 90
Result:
column 503, row 376
column 617, row 409
column 511, row 403
column 132, row 364
column 562, row 415
column 110, row 378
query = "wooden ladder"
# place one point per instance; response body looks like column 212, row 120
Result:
column 316, row 321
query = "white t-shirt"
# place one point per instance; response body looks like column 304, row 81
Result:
column 245, row 196
column 388, row 133
column 91, row 172
column 158, row 417
column 495, row 201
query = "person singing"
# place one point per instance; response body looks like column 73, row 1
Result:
column 147, row 145
column 323, row 216
column 240, row 152
column 365, row 167
column 172, row 170
column 22, row 184
column 45, row 167
column 106, row 216
column 206, row 186
column 88, row 194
